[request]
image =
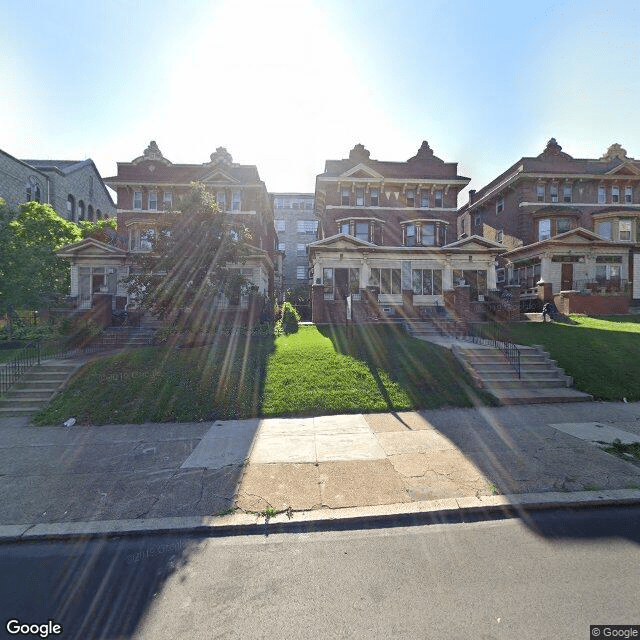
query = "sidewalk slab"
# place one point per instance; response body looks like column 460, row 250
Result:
column 596, row 432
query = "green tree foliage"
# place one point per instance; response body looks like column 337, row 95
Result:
column 289, row 319
column 31, row 275
column 188, row 265
column 100, row 230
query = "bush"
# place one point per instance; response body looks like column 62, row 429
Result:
column 289, row 319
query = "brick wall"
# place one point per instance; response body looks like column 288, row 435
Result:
column 574, row 302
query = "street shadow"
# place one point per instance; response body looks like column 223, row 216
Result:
column 95, row 589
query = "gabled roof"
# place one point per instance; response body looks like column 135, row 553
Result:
column 65, row 167
column 335, row 239
column 361, row 170
column 90, row 247
column 423, row 166
column 474, row 240
column 575, row 237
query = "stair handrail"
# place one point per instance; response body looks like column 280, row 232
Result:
column 499, row 339
column 12, row 371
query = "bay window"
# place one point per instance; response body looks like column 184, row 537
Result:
column 426, row 282
column 388, row 280
column 604, row 229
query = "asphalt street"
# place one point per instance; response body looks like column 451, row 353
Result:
column 550, row 575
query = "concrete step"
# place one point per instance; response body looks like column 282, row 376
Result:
column 525, row 370
column 539, row 396
column 33, row 394
column 36, row 383
column 16, row 412
column 23, row 403
column 513, row 382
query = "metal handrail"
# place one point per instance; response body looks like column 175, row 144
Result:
column 499, row 341
column 12, row 371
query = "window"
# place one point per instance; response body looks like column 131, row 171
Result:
column 167, row 200
column 500, row 275
column 306, row 226
column 80, row 210
column 499, row 235
column 500, row 205
column 624, row 228
column 428, row 234
column 301, row 273
column 628, row 195
column 71, row 208
column 604, row 229
column 153, row 200
column 477, row 219
column 137, row 200
column 602, row 195
column 345, row 197
column 544, row 229
column 410, row 235
column 279, row 224
column 375, row 198
column 90, row 213
column 221, row 199
column 146, row 239
column 359, row 197
column 567, row 193
column 235, row 201
column 362, row 231
column 615, row 194
column 301, row 249
column 553, row 192
column 388, row 280
column 328, row 281
column 308, row 204
column 563, row 224
column 540, row 192
column 424, row 199
column 411, row 197
column 345, row 228
column 438, row 202
column 281, row 246
column 426, row 282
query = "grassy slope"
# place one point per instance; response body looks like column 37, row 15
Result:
column 601, row 354
column 308, row 373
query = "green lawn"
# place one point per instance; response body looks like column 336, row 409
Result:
column 312, row 372
column 601, row 354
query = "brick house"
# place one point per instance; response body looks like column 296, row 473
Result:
column 387, row 239
column 74, row 188
column 570, row 223
column 147, row 189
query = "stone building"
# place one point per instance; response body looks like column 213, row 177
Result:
column 570, row 223
column 148, row 192
column 73, row 188
column 387, row 239
column 296, row 225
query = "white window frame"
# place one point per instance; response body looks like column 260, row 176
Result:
column 221, row 200
column 345, row 194
column 167, row 199
column 360, row 197
column 374, row 197
column 500, row 204
column 615, row 194
column 553, row 192
column 540, row 192
column 499, row 235
column 602, row 195
column 567, row 193
column 280, row 224
column 602, row 223
column 547, row 234
column 302, row 273
column 628, row 195
column 152, row 201
column 411, row 197
column 137, row 196
column 438, row 199
column 628, row 224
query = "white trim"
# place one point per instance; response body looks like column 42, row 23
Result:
column 577, row 205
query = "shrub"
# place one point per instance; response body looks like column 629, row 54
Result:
column 289, row 319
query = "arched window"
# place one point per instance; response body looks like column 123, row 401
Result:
column 99, row 214
column 80, row 210
column 38, row 195
column 90, row 214
column 71, row 208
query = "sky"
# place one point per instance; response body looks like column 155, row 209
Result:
column 288, row 84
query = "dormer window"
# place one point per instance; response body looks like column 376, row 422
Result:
column 345, row 227
column 411, row 197
column 362, row 231
column 428, row 234
column 375, row 198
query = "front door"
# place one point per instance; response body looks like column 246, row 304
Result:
column 566, row 283
column 342, row 283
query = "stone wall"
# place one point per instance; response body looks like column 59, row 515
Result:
column 15, row 176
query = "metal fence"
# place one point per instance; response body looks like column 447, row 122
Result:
column 492, row 334
column 12, row 371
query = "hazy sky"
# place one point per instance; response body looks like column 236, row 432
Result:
column 287, row 85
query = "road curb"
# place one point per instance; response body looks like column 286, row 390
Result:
column 413, row 513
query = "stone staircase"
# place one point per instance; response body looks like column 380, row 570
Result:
column 541, row 379
column 36, row 387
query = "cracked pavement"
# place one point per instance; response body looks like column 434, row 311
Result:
column 120, row 472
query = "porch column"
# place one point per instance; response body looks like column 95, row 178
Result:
column 447, row 277
column 491, row 276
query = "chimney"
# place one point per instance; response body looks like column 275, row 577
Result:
column 472, row 193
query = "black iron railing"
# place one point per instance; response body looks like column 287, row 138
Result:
column 492, row 334
column 12, row 371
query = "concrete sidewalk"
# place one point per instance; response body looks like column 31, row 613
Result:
column 204, row 476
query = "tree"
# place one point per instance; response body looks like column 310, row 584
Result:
column 31, row 275
column 102, row 230
column 188, row 265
